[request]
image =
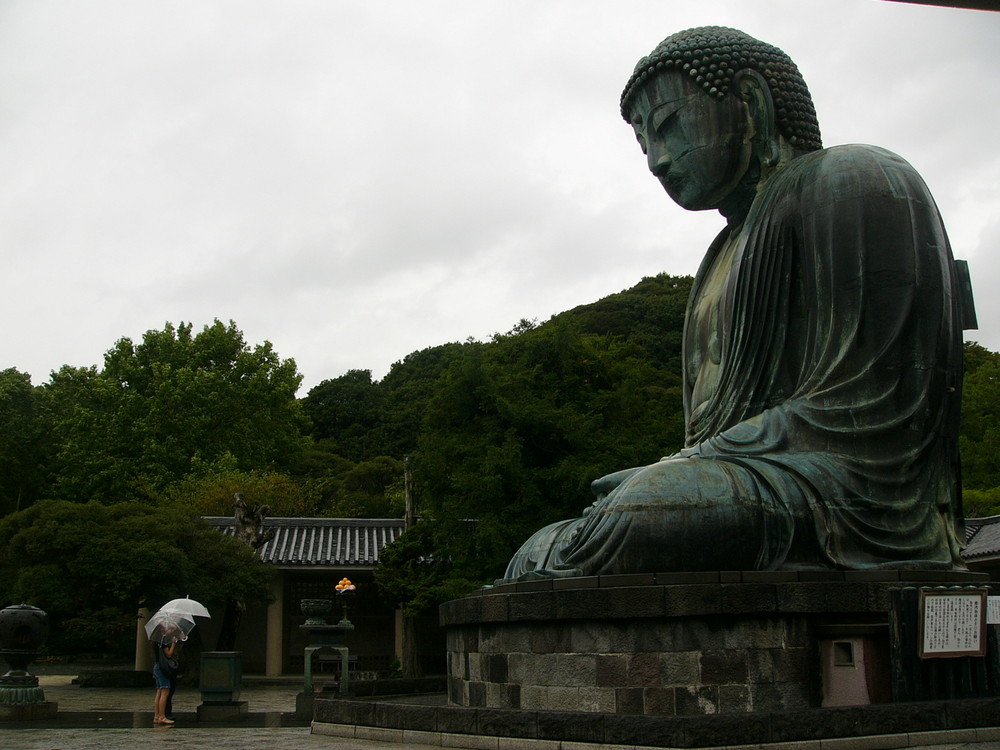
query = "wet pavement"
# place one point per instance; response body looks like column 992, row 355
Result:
column 263, row 696
column 122, row 719
column 171, row 738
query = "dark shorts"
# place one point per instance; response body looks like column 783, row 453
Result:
column 162, row 681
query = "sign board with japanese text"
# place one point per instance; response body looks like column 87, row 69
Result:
column 993, row 610
column 952, row 622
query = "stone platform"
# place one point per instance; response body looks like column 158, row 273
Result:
column 41, row 711
column 898, row 725
column 677, row 644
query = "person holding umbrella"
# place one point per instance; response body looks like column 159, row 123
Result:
column 189, row 608
column 171, row 624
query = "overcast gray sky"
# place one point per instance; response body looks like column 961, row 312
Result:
column 354, row 181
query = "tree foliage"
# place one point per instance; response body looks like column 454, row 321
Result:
column 90, row 566
column 357, row 418
column 519, row 427
column 209, row 488
column 347, row 411
column 409, row 575
column 980, row 436
column 21, row 446
column 158, row 407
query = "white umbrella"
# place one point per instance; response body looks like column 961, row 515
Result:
column 186, row 606
column 167, row 627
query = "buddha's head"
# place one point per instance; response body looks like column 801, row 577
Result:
column 715, row 111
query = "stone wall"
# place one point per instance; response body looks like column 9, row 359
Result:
column 666, row 645
column 698, row 666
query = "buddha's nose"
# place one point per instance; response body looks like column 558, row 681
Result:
column 658, row 161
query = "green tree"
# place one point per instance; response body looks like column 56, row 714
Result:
column 980, row 435
column 371, row 489
column 981, row 503
column 158, row 407
column 361, row 430
column 359, row 418
column 519, row 428
column 346, row 411
column 408, row 388
column 210, row 487
column 20, row 442
column 91, row 566
column 412, row 577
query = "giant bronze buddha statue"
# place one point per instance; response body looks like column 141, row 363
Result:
column 822, row 344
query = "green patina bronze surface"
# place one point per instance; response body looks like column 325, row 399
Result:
column 822, row 345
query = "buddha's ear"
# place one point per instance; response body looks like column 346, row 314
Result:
column 753, row 89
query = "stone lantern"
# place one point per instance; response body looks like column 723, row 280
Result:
column 322, row 635
column 23, row 629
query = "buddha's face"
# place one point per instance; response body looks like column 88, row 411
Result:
column 697, row 146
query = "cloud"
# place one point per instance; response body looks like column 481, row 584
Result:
column 357, row 181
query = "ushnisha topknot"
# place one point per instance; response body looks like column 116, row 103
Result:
column 712, row 55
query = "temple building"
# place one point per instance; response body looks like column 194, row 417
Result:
column 982, row 545
column 309, row 556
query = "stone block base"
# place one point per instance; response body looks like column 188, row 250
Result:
column 223, row 712
column 680, row 644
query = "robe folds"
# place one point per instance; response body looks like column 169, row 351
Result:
column 823, row 369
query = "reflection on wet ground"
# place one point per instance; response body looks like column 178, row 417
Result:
column 124, row 717
column 271, row 703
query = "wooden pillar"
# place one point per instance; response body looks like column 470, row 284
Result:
column 143, row 651
column 274, row 655
column 398, row 623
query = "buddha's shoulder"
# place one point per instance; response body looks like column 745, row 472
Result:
column 855, row 155
column 854, row 170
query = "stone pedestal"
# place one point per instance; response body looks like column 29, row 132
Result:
column 679, row 644
column 304, row 703
column 22, row 631
column 17, row 688
column 221, row 679
column 321, row 635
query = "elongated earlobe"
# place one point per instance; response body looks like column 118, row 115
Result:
column 753, row 89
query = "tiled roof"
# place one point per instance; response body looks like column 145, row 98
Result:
column 982, row 537
column 322, row 542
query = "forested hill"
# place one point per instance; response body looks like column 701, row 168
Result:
column 573, row 354
column 523, row 421
column 512, row 431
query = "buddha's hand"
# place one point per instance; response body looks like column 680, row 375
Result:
column 608, row 484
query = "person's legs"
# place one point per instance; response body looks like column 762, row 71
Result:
column 159, row 715
column 160, row 701
column 168, row 706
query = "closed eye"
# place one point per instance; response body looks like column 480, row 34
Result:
column 662, row 115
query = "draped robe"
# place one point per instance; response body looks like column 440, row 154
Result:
column 823, row 367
